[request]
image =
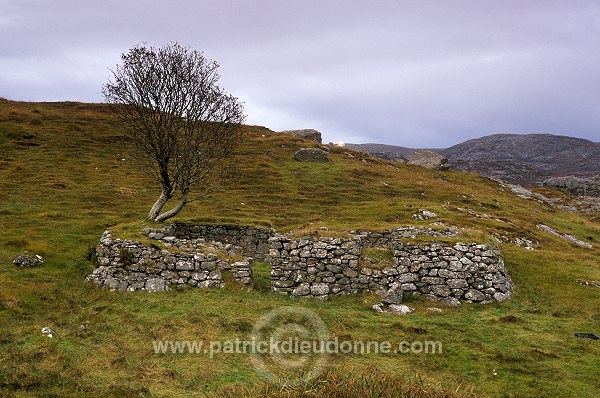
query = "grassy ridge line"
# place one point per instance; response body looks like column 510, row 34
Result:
column 65, row 182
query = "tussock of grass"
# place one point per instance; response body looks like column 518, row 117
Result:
column 376, row 258
column 351, row 383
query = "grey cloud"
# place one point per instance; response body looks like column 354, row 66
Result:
column 426, row 73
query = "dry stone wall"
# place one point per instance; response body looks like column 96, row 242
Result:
column 127, row 265
column 253, row 241
column 199, row 255
column 322, row 266
column 388, row 237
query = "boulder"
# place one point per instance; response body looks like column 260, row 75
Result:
column 576, row 185
column 311, row 155
column 27, row 260
column 156, row 285
column 429, row 160
column 309, row 134
column 451, row 301
column 302, row 290
column 393, row 295
column 319, row 289
column 474, row 295
column 399, row 309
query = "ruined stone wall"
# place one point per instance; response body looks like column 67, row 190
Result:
column 322, row 266
column 254, row 241
column 128, row 265
column 307, row 266
column 388, row 237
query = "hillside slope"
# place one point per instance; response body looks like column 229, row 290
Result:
column 527, row 159
column 66, row 177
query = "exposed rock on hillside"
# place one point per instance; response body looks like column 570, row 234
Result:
column 576, row 185
column 526, row 159
column 391, row 156
column 309, row 134
column 429, row 160
column 568, row 237
column 311, row 155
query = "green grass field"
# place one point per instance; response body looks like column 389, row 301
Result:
column 66, row 177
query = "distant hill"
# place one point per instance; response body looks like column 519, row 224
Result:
column 387, row 152
column 382, row 148
column 526, row 159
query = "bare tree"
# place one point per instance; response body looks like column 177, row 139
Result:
column 181, row 126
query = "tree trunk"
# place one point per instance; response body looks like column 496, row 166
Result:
column 173, row 212
column 158, row 205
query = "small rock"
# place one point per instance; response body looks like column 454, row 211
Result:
column 452, row 302
column 526, row 243
column 500, row 297
column 47, row 332
column 319, row 289
column 27, row 260
column 588, row 283
column 400, row 309
column 434, row 309
column 587, row 335
column 156, row 285
column 424, row 215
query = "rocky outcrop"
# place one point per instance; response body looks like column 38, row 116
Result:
column 424, row 215
column 311, row 155
column 309, row 134
column 567, row 237
column 429, row 160
column 576, row 185
column 391, row 156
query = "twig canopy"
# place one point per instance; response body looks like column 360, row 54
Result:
column 181, row 126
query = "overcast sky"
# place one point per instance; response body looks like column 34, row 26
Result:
column 413, row 73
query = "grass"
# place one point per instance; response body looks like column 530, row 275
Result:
column 376, row 258
column 65, row 181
